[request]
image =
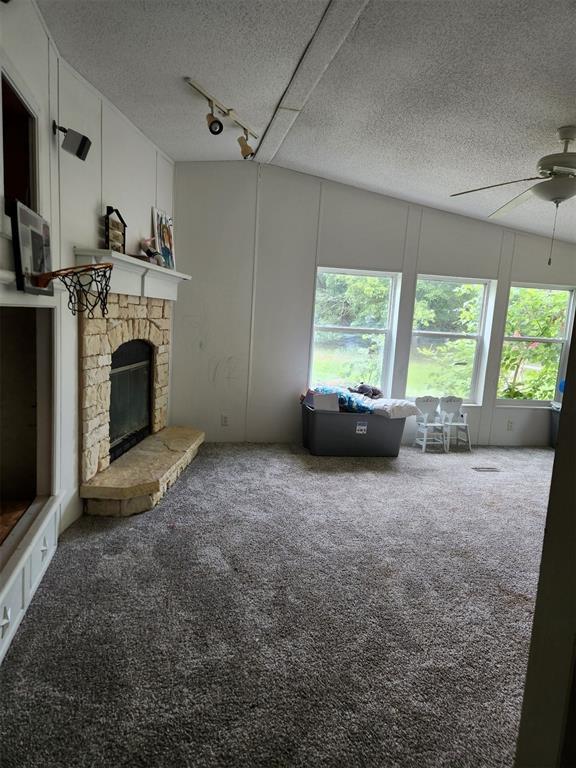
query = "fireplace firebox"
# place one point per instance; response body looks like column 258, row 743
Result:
column 130, row 396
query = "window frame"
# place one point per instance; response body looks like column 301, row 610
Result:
column 564, row 341
column 386, row 371
column 476, row 382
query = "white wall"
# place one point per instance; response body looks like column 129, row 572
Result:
column 252, row 237
column 214, row 241
column 283, row 299
column 123, row 168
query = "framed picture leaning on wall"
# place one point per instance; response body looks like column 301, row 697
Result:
column 31, row 244
column 163, row 233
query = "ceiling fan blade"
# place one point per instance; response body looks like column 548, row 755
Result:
column 491, row 186
column 518, row 200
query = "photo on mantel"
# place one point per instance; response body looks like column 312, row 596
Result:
column 114, row 230
column 164, row 236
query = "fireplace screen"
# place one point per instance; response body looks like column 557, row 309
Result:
column 130, row 396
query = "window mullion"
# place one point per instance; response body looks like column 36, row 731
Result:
column 349, row 329
column 535, row 339
column 446, row 334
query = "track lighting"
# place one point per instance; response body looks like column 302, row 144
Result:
column 245, row 148
column 214, row 125
column 75, row 143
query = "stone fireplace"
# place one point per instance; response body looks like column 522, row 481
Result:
column 128, row 456
column 129, row 318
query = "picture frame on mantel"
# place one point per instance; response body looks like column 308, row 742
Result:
column 114, row 230
column 163, row 233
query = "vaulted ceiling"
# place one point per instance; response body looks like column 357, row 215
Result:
column 411, row 98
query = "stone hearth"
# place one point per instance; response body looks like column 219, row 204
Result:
column 137, row 480
column 128, row 318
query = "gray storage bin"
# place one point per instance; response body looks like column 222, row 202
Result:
column 329, row 433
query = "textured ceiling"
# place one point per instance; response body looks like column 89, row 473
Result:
column 137, row 53
column 428, row 98
column 422, row 98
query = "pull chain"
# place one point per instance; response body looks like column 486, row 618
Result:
column 556, row 203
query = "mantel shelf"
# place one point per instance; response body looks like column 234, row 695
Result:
column 133, row 276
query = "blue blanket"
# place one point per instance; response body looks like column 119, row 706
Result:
column 350, row 401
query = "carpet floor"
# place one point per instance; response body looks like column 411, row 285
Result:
column 279, row 609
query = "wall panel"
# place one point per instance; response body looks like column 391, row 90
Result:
column 457, row 246
column 128, row 175
column 164, row 183
column 283, row 303
column 215, row 209
column 360, row 229
column 80, row 181
column 530, row 261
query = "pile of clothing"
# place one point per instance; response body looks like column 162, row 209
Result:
column 364, row 399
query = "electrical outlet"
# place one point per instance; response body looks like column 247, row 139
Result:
column 509, row 425
column 223, row 420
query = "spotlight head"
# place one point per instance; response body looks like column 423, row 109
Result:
column 214, row 125
column 245, row 148
column 75, row 143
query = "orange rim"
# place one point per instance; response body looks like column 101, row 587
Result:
column 43, row 279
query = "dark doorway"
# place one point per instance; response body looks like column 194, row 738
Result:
column 25, row 414
column 19, row 136
column 130, row 396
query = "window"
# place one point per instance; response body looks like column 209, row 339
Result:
column 535, row 343
column 18, row 134
column 446, row 338
column 351, row 327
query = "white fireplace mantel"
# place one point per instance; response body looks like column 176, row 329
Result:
column 133, row 276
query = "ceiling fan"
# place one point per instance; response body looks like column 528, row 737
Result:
column 556, row 177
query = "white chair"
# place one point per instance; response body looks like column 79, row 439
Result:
column 429, row 428
column 455, row 422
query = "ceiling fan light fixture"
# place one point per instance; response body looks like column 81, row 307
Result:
column 555, row 190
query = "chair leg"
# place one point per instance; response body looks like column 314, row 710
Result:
column 468, row 436
column 424, row 439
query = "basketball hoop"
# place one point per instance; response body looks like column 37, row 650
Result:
column 87, row 286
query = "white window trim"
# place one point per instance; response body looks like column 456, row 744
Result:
column 475, row 396
column 565, row 342
column 385, row 382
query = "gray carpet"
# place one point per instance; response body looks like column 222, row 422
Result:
column 279, row 609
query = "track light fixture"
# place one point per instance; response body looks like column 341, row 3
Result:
column 215, row 125
column 75, row 143
column 245, row 148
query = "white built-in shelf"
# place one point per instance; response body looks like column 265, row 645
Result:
column 133, row 276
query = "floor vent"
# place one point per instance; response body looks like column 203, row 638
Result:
column 485, row 469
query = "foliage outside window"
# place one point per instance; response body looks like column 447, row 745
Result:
column 534, row 341
column 351, row 325
column 447, row 328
